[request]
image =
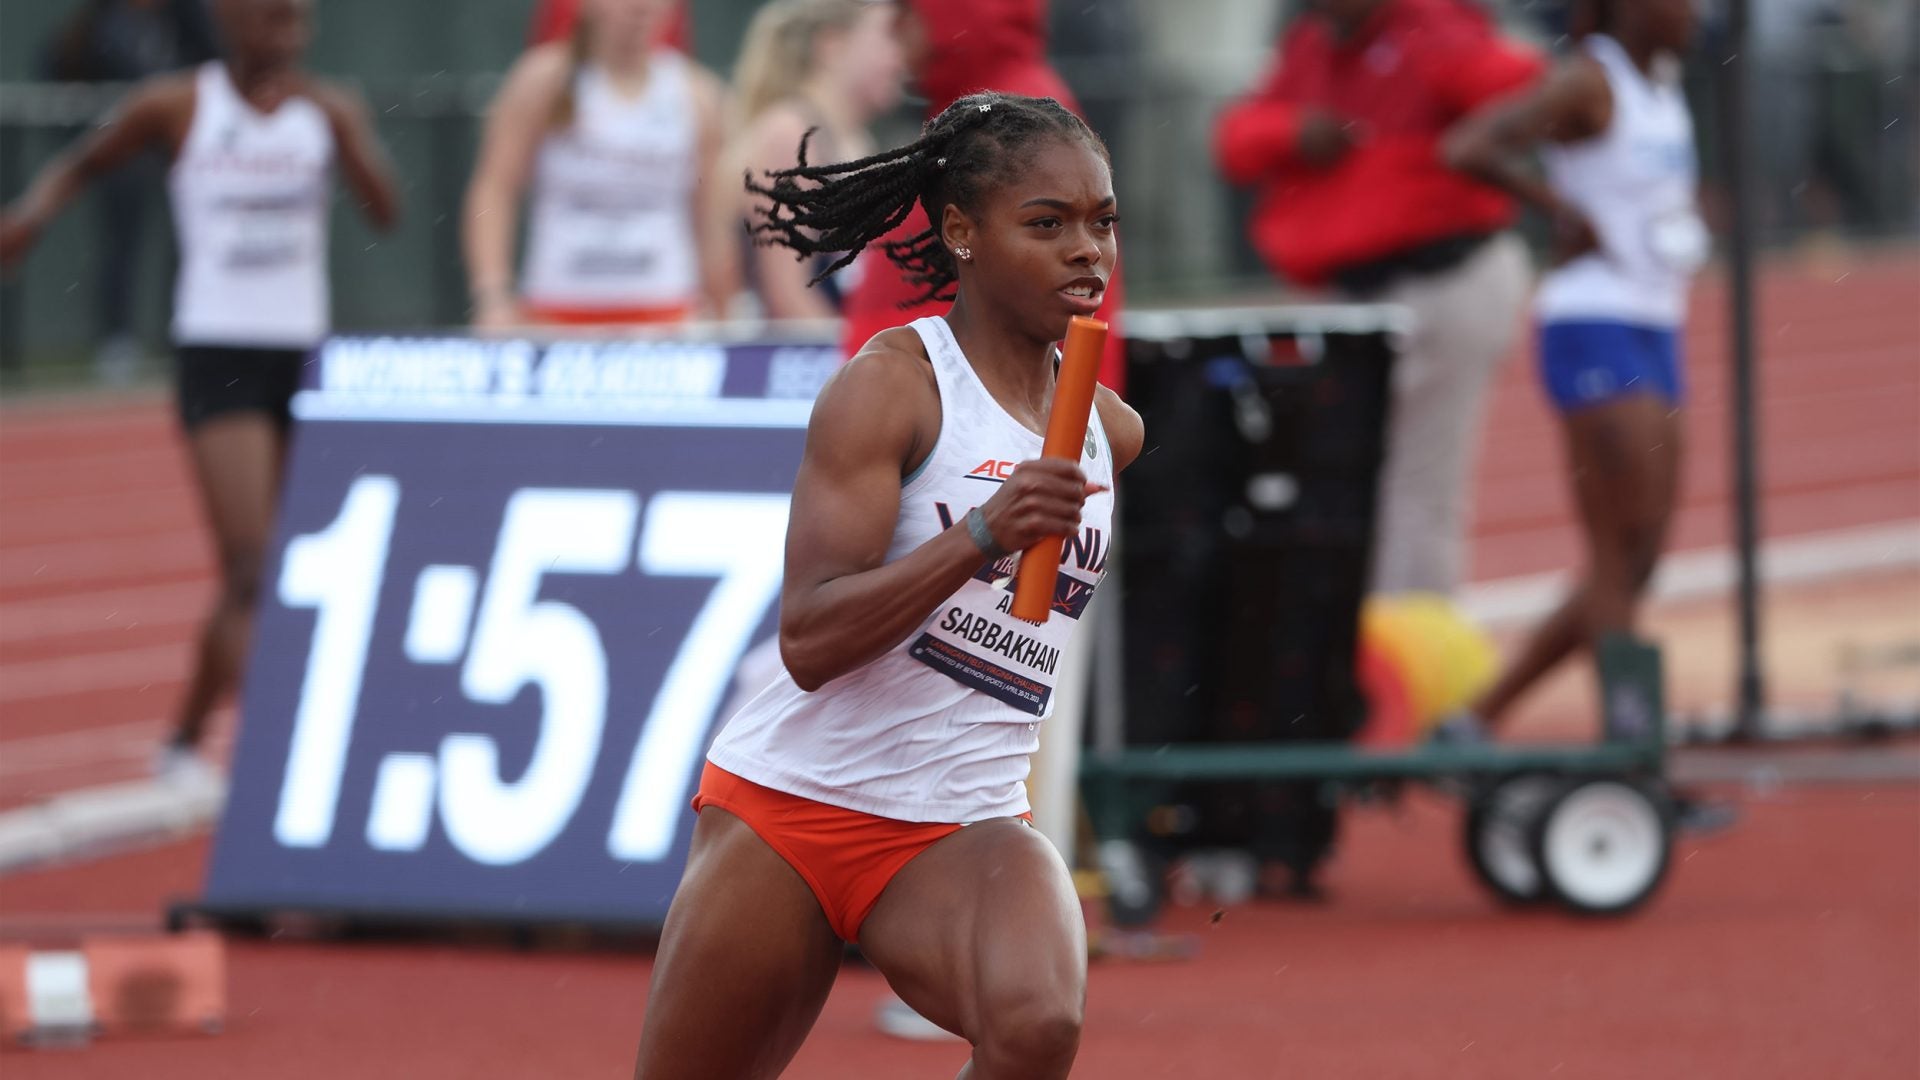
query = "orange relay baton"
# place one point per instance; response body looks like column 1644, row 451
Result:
column 1066, row 434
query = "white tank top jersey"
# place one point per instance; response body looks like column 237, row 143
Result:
column 251, row 194
column 612, row 221
column 941, row 727
column 1636, row 182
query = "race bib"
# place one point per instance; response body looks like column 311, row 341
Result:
column 269, row 236
column 975, row 640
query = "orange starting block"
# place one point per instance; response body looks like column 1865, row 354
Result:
column 112, row 985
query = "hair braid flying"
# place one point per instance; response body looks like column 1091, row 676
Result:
column 823, row 209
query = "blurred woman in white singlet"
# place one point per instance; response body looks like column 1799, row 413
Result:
column 826, row 66
column 608, row 137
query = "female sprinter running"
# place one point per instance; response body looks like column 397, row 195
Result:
column 874, row 793
column 831, row 66
column 1617, row 145
column 252, row 141
column 612, row 132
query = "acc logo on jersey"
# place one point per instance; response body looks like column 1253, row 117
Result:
column 999, row 471
column 993, row 471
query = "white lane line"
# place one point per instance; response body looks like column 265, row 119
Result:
column 1687, row 575
column 176, row 604
column 36, row 680
column 95, row 560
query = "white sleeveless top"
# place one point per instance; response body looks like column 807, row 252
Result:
column 939, row 728
column 612, row 220
column 1637, row 183
column 250, row 194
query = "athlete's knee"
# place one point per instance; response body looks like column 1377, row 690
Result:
column 1625, row 558
column 1640, row 567
column 1641, row 557
column 1031, row 1038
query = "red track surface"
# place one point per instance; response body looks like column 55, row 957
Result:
column 1785, row 950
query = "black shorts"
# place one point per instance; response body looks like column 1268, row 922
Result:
column 216, row 379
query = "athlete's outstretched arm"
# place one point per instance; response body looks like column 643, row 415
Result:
column 363, row 160
column 842, row 604
column 150, row 115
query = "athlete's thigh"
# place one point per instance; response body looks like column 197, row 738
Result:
column 237, row 460
column 745, row 962
column 1625, row 458
column 982, row 923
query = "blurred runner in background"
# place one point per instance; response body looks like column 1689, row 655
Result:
column 826, row 66
column 253, row 140
column 1621, row 189
column 115, row 41
column 608, row 135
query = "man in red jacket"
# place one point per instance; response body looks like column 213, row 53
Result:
column 955, row 49
column 1342, row 139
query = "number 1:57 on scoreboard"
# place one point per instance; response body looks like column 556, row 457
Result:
column 506, row 637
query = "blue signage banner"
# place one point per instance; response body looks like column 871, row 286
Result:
column 510, row 589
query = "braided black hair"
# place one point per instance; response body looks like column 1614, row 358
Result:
column 822, row 209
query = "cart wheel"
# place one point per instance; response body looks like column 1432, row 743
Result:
column 1499, row 830
column 1602, row 845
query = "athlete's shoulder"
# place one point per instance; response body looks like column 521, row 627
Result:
column 170, row 93
column 160, row 106
column 778, row 130
column 169, row 85
column 1578, row 96
column 551, row 56
column 1126, row 431
column 701, row 77
column 543, row 69
column 1582, row 70
column 890, row 375
column 709, row 91
column 340, row 101
column 883, row 402
column 896, row 340
column 892, row 361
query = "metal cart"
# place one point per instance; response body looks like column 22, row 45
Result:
column 1589, row 827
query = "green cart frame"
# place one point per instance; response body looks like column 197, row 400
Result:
column 1587, row 826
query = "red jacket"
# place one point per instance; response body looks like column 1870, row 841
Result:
column 982, row 45
column 1409, row 73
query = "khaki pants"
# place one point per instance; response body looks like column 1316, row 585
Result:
column 1465, row 320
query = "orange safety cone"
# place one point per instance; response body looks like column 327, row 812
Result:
column 1390, row 720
